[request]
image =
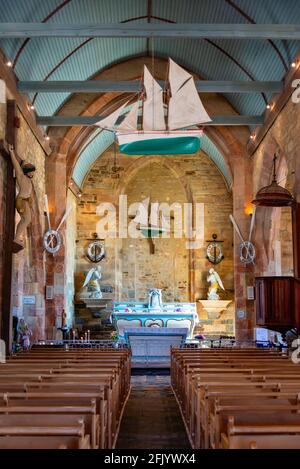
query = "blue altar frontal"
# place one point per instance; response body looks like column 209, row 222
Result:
column 171, row 315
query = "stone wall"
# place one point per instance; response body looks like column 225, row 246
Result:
column 273, row 234
column 70, row 240
column 29, row 264
column 2, row 196
column 180, row 272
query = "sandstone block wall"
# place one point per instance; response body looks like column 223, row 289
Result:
column 29, row 264
column 129, row 267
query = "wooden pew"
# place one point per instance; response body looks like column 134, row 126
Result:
column 260, row 436
column 57, row 378
column 202, row 380
column 54, row 413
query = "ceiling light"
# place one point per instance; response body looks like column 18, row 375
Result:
column 9, row 63
column 32, row 107
column 47, row 137
column 293, row 64
column 268, row 106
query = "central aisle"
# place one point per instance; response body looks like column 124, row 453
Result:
column 152, row 419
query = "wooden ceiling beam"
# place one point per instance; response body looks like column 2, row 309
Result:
column 133, row 86
column 70, row 121
column 171, row 30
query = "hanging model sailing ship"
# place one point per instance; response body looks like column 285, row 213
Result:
column 166, row 116
column 150, row 221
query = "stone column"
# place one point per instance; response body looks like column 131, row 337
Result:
column 2, row 186
column 55, row 263
column 243, row 274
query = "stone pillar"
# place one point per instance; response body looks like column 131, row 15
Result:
column 55, row 263
column 2, row 187
column 243, row 274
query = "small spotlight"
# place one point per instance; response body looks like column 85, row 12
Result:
column 252, row 137
column 79, row 195
column 47, row 138
column 71, row 183
column 32, row 107
column 9, row 63
column 268, row 106
column 293, row 64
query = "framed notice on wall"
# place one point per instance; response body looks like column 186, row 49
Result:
column 29, row 300
column 49, row 292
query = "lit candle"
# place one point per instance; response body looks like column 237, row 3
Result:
column 85, row 336
column 73, row 333
column 89, row 335
column 81, row 338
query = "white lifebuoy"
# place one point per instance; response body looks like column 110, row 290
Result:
column 247, row 252
column 52, row 241
column 96, row 251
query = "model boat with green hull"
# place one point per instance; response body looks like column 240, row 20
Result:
column 170, row 117
column 162, row 146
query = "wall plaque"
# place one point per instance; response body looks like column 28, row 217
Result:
column 29, row 300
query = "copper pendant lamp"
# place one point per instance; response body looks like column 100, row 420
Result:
column 273, row 195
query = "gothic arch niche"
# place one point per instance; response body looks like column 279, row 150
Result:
column 168, row 267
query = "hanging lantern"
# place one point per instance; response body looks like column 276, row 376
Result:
column 273, row 195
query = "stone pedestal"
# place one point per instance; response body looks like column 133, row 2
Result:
column 214, row 307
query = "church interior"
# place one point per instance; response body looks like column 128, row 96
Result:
column 149, row 224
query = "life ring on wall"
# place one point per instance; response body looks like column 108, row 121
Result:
column 247, row 252
column 52, row 241
column 96, row 251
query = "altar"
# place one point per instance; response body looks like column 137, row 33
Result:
column 170, row 315
column 151, row 347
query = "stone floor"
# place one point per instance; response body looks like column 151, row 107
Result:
column 151, row 418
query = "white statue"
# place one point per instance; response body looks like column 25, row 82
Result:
column 91, row 287
column 215, row 283
column 155, row 299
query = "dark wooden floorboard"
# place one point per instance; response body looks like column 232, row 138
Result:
column 152, row 419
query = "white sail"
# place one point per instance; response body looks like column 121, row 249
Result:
column 153, row 115
column 130, row 121
column 185, row 106
column 142, row 212
column 157, row 219
column 154, row 215
column 109, row 121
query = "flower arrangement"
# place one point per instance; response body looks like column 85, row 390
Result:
column 114, row 336
column 200, row 337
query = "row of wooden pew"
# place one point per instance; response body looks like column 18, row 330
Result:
column 58, row 399
column 237, row 398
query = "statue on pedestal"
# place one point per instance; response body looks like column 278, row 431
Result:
column 155, row 299
column 91, row 287
column 64, row 326
column 24, row 173
column 24, row 334
column 215, row 283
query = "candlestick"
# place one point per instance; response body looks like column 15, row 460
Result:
column 85, row 336
column 89, row 335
